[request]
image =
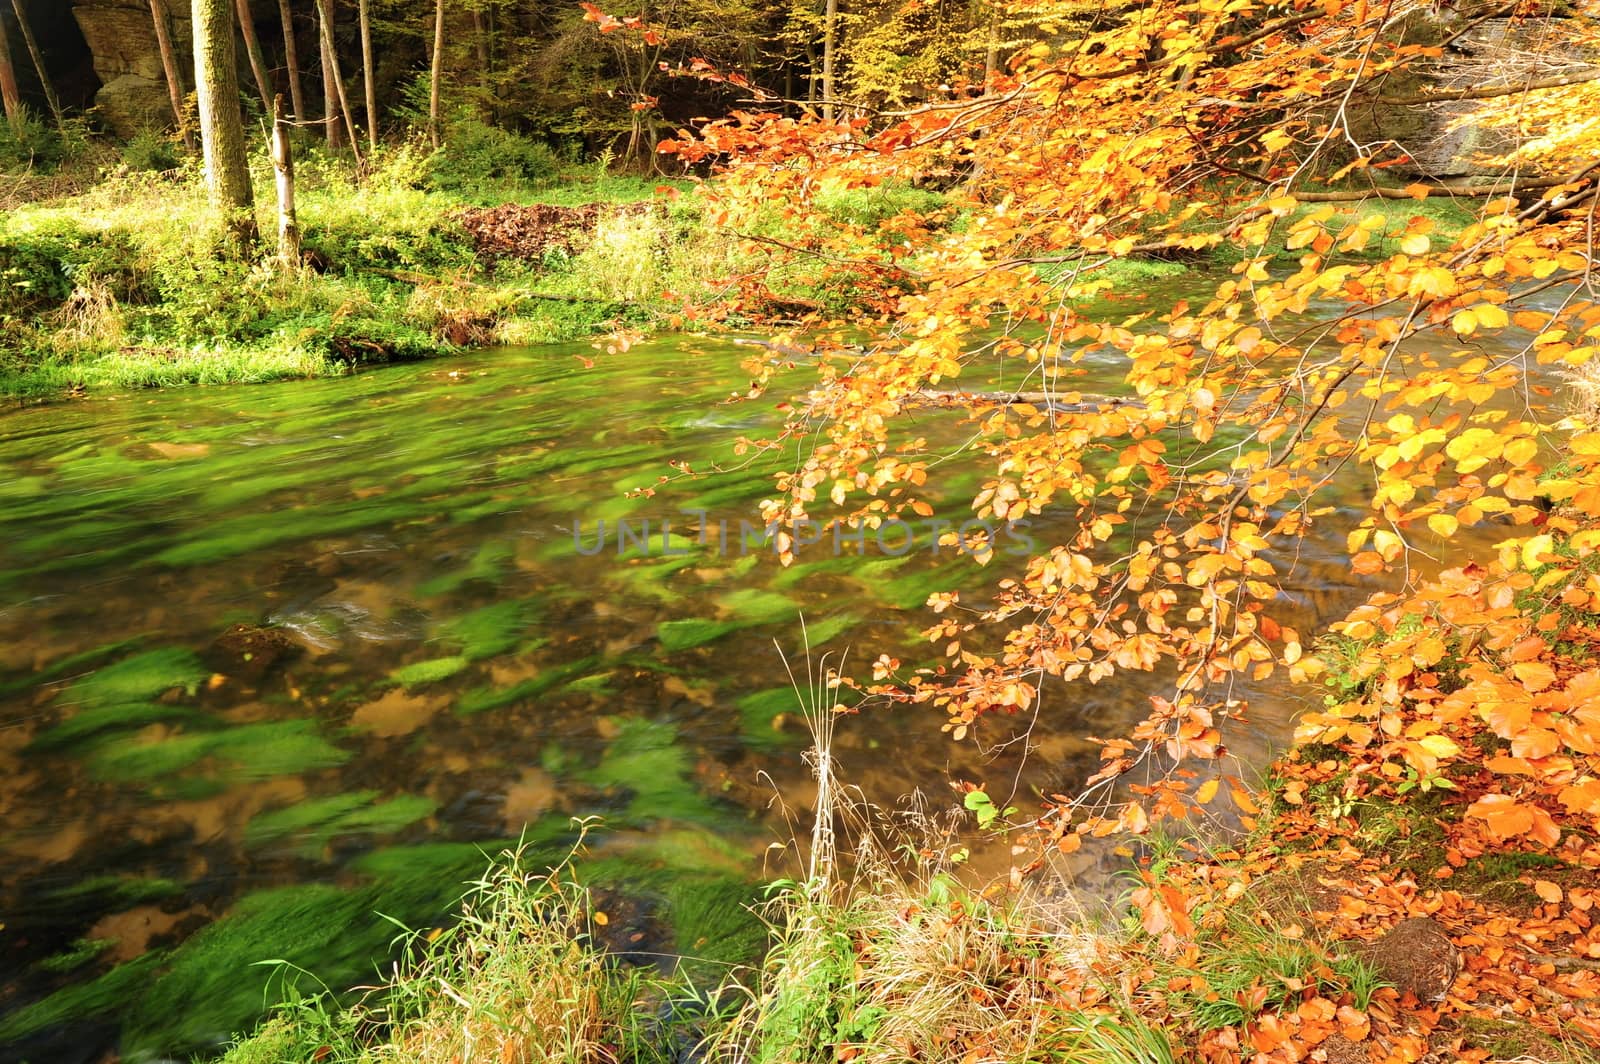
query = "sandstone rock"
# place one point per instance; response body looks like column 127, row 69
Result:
column 122, row 42
column 131, row 103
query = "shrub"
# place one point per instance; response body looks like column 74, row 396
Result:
column 152, row 151
column 482, row 157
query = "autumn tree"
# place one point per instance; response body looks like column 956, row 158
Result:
column 1198, row 128
column 221, row 124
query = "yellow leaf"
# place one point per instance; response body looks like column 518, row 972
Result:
column 1207, row 791
column 1491, row 316
column 1439, row 745
column 1435, row 281
column 1415, row 244
column 1465, row 322
column 1443, row 525
column 1535, row 549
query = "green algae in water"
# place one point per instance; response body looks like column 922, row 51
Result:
column 755, row 606
column 897, row 583
column 320, row 819
column 117, row 892
column 693, row 632
column 140, row 678
column 595, row 684
column 490, row 631
column 749, row 607
column 64, row 666
column 93, row 722
column 422, row 673
column 647, row 760
column 488, row 564
column 825, row 631
column 81, row 952
column 107, row 994
column 212, row 985
column 482, row 699
column 255, row 751
column 757, row 713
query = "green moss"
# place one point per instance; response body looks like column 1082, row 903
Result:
column 422, row 673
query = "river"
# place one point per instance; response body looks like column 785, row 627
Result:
column 277, row 659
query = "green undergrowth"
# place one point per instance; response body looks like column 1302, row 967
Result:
column 128, row 285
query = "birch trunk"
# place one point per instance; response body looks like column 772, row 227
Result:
column 283, row 169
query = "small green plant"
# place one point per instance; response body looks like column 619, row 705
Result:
column 981, row 806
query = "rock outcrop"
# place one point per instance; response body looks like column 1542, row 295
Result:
column 122, row 41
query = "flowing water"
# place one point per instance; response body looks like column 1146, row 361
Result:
column 274, row 660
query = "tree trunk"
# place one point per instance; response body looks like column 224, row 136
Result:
column 38, row 64
column 433, row 77
column 216, row 83
column 258, row 62
column 291, row 59
column 283, row 168
column 991, row 51
column 366, row 77
column 169, row 66
column 331, row 70
column 480, row 41
column 830, row 37
column 8, row 82
column 330, row 95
